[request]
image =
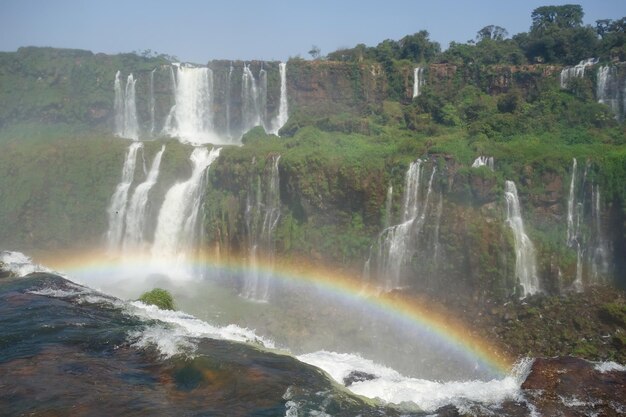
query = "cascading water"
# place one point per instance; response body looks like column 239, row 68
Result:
column 388, row 206
column 263, row 96
column 118, row 106
column 570, row 205
column 176, row 233
column 577, row 71
column 418, row 81
column 283, row 107
column 119, row 200
column 608, row 90
column 228, row 87
column 131, row 125
column 262, row 215
column 396, row 244
column 191, row 117
column 125, row 108
column 600, row 252
column 437, row 224
column 250, row 111
column 592, row 249
column 152, row 102
column 525, row 266
column 483, row 161
column 574, row 237
column 134, row 236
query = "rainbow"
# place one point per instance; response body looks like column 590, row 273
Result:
column 423, row 316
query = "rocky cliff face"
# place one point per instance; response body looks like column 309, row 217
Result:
column 334, row 207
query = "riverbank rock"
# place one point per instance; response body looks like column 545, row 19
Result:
column 575, row 387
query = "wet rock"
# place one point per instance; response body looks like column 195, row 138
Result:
column 4, row 273
column 574, row 387
column 448, row 411
column 357, row 376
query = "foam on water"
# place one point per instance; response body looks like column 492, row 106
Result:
column 186, row 325
column 609, row 367
column 392, row 387
column 20, row 264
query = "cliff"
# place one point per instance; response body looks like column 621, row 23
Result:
column 341, row 162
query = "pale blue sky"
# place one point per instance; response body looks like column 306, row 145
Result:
column 198, row 31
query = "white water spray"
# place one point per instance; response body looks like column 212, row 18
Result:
column 571, row 237
column 152, row 102
column 482, row 161
column 525, row 266
column 608, row 90
column 418, row 81
column 600, row 251
column 262, row 215
column 262, row 99
column 283, row 106
column 396, row 244
column 577, row 71
column 134, row 236
column 119, row 200
column 191, row 118
column 228, row 87
column 125, row 108
column 176, row 234
column 250, row 110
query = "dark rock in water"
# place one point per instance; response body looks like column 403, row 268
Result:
column 4, row 273
column 357, row 376
column 572, row 386
column 448, row 411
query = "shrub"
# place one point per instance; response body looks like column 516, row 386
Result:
column 158, row 297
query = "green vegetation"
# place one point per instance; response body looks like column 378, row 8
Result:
column 158, row 297
column 557, row 36
column 354, row 127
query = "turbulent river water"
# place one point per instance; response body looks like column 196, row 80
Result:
column 71, row 349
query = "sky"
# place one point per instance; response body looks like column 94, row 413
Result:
column 198, row 31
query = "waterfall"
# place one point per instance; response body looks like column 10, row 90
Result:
column 608, row 91
column 119, row 200
column 388, row 206
column 263, row 96
column 262, row 215
column 437, row 224
column 396, row 244
column 283, row 107
column 228, row 86
column 125, row 108
column 152, row 102
column 483, row 161
column 571, row 237
column 575, row 238
column 600, row 253
column 525, row 267
column 118, row 106
column 250, row 112
column 176, row 232
column 131, row 125
column 577, row 71
column 134, row 236
column 191, row 117
column 418, row 81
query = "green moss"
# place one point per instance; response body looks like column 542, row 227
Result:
column 158, row 297
column 614, row 313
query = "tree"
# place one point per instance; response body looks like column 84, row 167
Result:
column 496, row 33
column 566, row 16
column 418, row 47
column 613, row 35
column 315, row 52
